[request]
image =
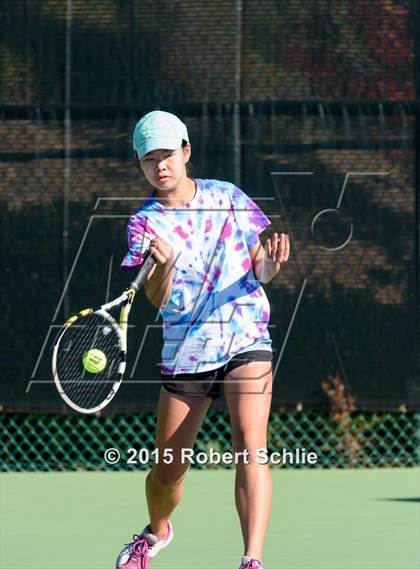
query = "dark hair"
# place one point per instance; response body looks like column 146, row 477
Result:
column 188, row 166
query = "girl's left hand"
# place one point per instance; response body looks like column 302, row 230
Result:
column 277, row 248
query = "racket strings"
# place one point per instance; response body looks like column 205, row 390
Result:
column 79, row 380
column 83, row 387
column 87, row 389
column 82, row 382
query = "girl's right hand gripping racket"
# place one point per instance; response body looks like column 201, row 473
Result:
column 89, row 354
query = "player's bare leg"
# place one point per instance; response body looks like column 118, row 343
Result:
column 179, row 419
column 248, row 395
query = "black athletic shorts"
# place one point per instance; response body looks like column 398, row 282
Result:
column 209, row 383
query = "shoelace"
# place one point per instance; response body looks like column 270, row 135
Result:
column 140, row 548
column 253, row 564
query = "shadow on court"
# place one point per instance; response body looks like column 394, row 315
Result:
column 412, row 500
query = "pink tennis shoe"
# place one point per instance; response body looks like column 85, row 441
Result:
column 248, row 563
column 144, row 547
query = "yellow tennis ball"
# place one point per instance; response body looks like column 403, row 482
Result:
column 94, row 361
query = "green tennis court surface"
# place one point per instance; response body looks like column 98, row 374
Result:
column 367, row 519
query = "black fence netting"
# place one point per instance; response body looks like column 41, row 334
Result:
column 311, row 108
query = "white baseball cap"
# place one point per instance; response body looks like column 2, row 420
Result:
column 156, row 130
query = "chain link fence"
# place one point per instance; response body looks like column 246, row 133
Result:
column 68, row 442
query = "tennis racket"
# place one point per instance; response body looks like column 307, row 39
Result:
column 89, row 353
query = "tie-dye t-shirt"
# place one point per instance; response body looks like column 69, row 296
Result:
column 217, row 306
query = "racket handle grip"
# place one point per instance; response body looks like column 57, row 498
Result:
column 148, row 263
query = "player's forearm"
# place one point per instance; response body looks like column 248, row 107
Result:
column 265, row 269
column 159, row 286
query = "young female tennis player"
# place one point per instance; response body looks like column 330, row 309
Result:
column 204, row 235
